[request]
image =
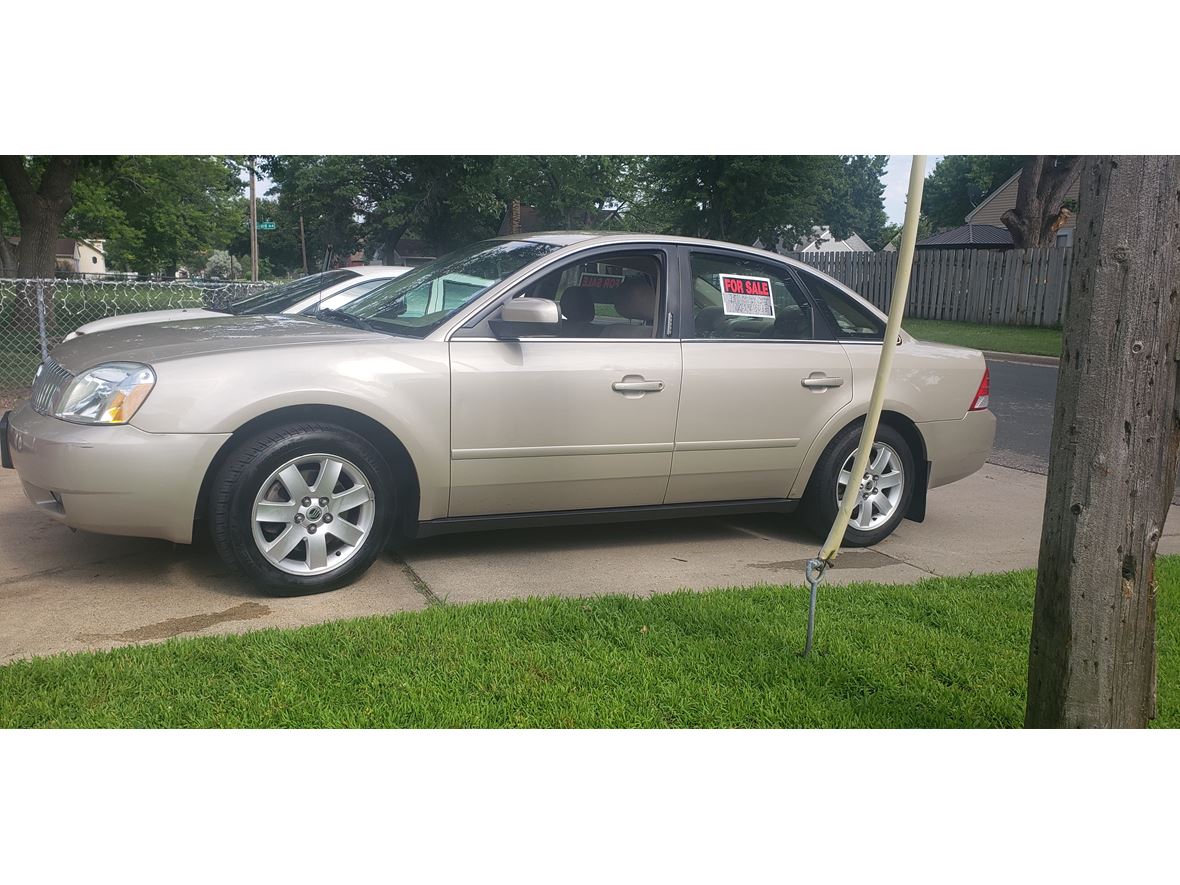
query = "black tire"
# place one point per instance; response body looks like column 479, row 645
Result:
column 819, row 506
column 248, row 466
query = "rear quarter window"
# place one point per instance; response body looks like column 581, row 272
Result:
column 848, row 316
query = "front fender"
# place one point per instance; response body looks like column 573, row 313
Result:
column 403, row 386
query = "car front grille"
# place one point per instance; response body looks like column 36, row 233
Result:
column 48, row 385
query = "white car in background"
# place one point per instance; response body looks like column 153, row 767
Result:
column 329, row 290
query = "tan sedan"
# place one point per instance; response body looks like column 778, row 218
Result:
column 518, row 382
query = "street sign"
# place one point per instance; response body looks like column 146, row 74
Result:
column 266, row 225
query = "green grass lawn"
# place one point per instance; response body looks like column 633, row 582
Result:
column 940, row 653
column 1010, row 339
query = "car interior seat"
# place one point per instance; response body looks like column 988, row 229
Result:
column 577, row 313
column 634, row 299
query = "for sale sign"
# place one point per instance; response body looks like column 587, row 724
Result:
column 600, row 280
column 746, row 296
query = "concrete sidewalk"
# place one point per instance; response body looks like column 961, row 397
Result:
column 66, row 591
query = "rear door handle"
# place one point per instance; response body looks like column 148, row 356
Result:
column 820, row 380
column 627, row 386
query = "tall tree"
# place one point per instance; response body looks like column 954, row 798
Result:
column 570, row 191
column 1116, row 433
column 854, row 201
column 960, row 182
column 1040, row 200
column 328, row 191
column 744, row 198
column 447, row 200
column 41, row 190
column 157, row 212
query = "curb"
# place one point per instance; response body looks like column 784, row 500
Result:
column 1026, row 358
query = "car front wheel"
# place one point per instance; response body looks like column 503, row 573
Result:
column 883, row 492
column 302, row 508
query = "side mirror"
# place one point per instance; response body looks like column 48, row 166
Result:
column 527, row 316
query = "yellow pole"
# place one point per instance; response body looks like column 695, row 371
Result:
column 901, row 284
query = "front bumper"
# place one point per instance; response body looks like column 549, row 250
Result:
column 114, row 480
column 958, row 448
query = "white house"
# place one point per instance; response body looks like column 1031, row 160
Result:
column 821, row 240
column 77, row 256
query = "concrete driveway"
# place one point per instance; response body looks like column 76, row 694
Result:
column 73, row 591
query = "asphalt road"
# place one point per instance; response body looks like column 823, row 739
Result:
column 1022, row 397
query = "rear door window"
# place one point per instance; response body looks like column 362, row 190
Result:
column 735, row 297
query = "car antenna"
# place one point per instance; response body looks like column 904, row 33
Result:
column 319, row 295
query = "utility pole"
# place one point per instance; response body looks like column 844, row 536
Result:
column 253, row 226
column 303, row 243
column 1112, row 467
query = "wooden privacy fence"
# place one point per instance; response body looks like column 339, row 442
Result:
column 1016, row 287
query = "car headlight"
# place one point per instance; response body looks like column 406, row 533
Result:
column 107, row 394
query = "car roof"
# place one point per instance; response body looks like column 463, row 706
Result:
column 566, row 238
column 380, row 270
column 574, row 237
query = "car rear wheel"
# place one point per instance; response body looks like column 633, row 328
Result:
column 883, row 492
column 302, row 508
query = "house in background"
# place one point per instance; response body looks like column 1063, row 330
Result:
column 984, row 227
column 83, row 257
column 969, row 236
column 521, row 218
column 408, row 253
column 1003, row 198
column 821, row 240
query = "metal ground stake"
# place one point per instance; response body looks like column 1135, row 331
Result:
column 815, row 571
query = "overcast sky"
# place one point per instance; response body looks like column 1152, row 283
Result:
column 897, row 182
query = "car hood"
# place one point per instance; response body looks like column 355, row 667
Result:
column 180, row 339
column 150, row 316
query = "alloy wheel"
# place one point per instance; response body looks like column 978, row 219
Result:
column 312, row 514
column 879, row 491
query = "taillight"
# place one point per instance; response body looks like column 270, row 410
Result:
column 981, row 396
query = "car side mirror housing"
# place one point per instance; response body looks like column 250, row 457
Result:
column 527, row 316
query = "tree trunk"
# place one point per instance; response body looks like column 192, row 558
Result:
column 37, row 252
column 390, row 237
column 40, row 209
column 1040, row 194
column 1116, row 429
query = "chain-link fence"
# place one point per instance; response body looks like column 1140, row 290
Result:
column 35, row 315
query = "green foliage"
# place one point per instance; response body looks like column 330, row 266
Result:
column 853, row 201
column 741, row 198
column 1006, row 339
column 959, row 183
column 747, row 198
column 156, row 212
column 327, row 192
column 572, row 191
column 222, row 265
column 160, row 212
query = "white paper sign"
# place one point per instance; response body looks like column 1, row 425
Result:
column 746, row 296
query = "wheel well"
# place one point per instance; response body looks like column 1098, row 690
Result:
column 404, row 472
column 913, row 438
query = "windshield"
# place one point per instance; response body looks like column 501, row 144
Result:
column 278, row 300
column 419, row 302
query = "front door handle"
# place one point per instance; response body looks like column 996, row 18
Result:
column 636, row 384
column 818, row 380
